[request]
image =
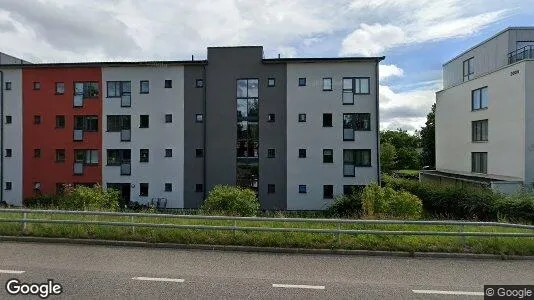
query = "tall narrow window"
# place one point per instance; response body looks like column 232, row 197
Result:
column 60, row 155
column 328, row 156
column 479, row 98
column 327, row 84
column 168, row 118
column 247, row 144
column 302, row 118
column 143, row 121
column 302, row 153
column 469, row 69
column 479, row 162
column 9, row 119
column 143, row 189
column 143, row 155
column 60, row 88
column 327, row 120
column 8, row 85
column 144, row 87
column 328, row 191
column 479, row 131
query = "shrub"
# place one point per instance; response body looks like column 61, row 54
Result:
column 515, row 208
column 41, row 201
column 386, row 202
column 347, row 205
column 89, row 198
column 231, row 200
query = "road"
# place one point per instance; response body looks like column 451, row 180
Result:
column 104, row 272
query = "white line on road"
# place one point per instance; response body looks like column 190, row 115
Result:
column 448, row 292
column 297, row 286
column 11, row 272
column 158, row 279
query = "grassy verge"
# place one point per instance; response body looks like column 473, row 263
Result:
column 490, row 245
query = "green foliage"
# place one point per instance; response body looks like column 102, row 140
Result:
column 90, row 198
column 41, row 201
column 515, row 208
column 231, row 200
column 428, row 139
column 405, row 148
column 347, row 205
column 386, row 203
column 388, row 157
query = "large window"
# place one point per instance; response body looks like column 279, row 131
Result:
column 469, row 69
column 479, row 130
column 117, row 157
column 87, row 157
column 479, row 98
column 119, row 88
column 117, row 123
column 247, row 103
column 353, row 158
column 87, row 89
column 479, row 162
column 354, row 86
column 355, row 122
column 86, row 123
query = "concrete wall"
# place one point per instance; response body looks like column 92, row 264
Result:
column 529, row 121
column 158, row 137
column 13, row 137
column 311, row 135
column 506, row 124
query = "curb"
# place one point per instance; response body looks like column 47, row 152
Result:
column 118, row 243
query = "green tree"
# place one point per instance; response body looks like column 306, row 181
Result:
column 406, row 147
column 388, row 156
column 428, row 139
column 231, row 200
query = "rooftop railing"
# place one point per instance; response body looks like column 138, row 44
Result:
column 526, row 52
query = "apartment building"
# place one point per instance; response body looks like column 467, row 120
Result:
column 485, row 114
column 298, row 131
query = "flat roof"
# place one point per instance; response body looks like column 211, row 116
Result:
column 472, row 176
column 322, row 59
column 107, row 64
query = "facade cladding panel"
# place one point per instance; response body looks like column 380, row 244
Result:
column 41, row 102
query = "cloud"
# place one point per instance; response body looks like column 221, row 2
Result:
column 386, row 71
column 287, row 52
column 371, row 40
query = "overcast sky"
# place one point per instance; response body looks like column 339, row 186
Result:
column 416, row 36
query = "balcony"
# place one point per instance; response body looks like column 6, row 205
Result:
column 126, row 168
column 526, row 52
column 126, row 135
column 78, row 168
column 78, row 135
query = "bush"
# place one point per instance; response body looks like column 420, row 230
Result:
column 386, row 202
column 231, row 200
column 347, row 205
column 515, row 208
column 89, row 198
column 41, row 201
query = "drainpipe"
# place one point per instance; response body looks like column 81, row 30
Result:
column 377, row 124
column 205, row 119
column 1, row 136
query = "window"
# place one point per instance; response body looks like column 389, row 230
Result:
column 143, row 190
column 116, row 157
column 9, row 119
column 168, row 118
column 302, row 81
column 327, row 120
column 479, row 130
column 199, row 187
column 469, row 69
column 302, row 153
column 355, row 122
column 271, row 153
column 199, row 83
column 271, row 188
column 168, row 152
column 354, row 86
column 8, row 85
column 353, row 158
column 60, row 121
column 351, row 189
column 9, row 152
column 60, row 155
column 327, row 84
column 86, row 123
column 328, row 191
column 87, row 89
column 36, row 119
column 9, row 185
column 144, row 87
column 302, row 189
column 199, row 152
column 168, row 83
column 302, row 118
column 479, row 162
column 271, row 82
column 271, row 117
column 328, row 156
column 117, row 89
column 199, row 118
column 116, row 123
column 143, row 121
column 361, row 85
column 168, row 187
column 60, row 88
column 36, row 85
column 87, row 157
column 479, row 98
column 143, row 155
column 247, row 127
column 37, row 153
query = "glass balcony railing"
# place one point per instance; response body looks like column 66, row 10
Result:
column 526, row 52
column 78, row 135
column 78, row 168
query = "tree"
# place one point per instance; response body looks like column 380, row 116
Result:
column 405, row 146
column 387, row 157
column 428, row 139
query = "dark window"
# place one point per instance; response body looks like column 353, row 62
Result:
column 199, row 118
column 143, row 121
column 271, row 153
column 60, row 155
column 168, row 83
column 479, row 130
column 143, row 189
column 168, row 118
column 327, row 84
column 271, row 82
column 168, row 187
column 354, row 86
column 328, row 155
column 36, row 85
column 87, row 89
column 87, row 157
column 60, row 188
column 328, row 191
column 9, row 119
column 117, row 123
column 8, row 86
column 271, row 188
column 36, row 119
column 302, row 189
column 86, row 123
column 9, row 152
column 353, row 158
column 60, row 121
column 9, row 185
column 302, row 81
column 37, row 153
column 355, row 122
column 60, row 88
column 117, row 89
column 302, row 153
column 479, row 162
column 479, row 98
column 271, row 117
column 199, row 152
column 168, row 152
column 116, row 157
column 327, row 120
column 144, row 87
column 469, row 69
column 199, row 187
column 143, row 155
column 199, row 83
column 302, row 118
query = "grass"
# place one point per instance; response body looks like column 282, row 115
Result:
column 489, row 245
column 408, row 172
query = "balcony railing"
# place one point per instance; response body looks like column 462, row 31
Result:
column 78, row 168
column 126, row 135
column 126, row 168
column 349, row 170
column 526, row 52
column 126, row 100
column 78, row 135
column 348, row 134
column 78, row 100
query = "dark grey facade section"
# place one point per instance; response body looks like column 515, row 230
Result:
column 225, row 66
column 193, row 136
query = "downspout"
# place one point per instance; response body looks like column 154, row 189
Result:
column 378, row 175
column 1, row 136
column 205, row 119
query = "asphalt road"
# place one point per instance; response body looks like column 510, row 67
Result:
column 105, row 272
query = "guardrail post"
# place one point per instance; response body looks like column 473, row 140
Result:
column 24, row 217
column 133, row 227
column 462, row 238
column 338, row 234
column 235, row 226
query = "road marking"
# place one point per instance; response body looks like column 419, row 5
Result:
column 297, row 286
column 448, row 292
column 11, row 272
column 158, row 279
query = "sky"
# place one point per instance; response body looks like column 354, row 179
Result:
column 416, row 36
